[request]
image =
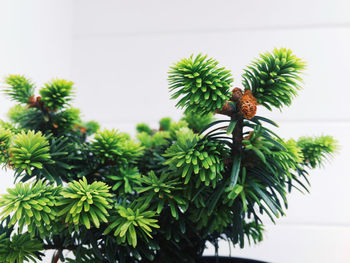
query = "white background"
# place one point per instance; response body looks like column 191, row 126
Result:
column 118, row 54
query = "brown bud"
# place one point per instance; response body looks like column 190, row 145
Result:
column 35, row 102
column 236, row 94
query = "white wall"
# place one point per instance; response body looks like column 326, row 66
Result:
column 35, row 40
column 118, row 53
column 122, row 51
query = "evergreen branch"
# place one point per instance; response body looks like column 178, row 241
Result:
column 20, row 89
column 57, row 93
column 315, row 150
column 274, row 78
column 200, row 84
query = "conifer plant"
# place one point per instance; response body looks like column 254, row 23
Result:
column 161, row 197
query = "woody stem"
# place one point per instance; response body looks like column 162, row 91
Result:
column 56, row 258
column 237, row 133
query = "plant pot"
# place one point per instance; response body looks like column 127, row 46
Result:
column 213, row 259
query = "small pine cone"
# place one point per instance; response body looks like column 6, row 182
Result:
column 236, row 94
column 248, row 104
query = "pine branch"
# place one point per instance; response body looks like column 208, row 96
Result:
column 19, row 89
column 274, row 78
column 200, row 84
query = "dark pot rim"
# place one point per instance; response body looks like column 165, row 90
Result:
column 214, row 259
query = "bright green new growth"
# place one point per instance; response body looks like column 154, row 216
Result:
column 200, row 84
column 164, row 191
column 175, row 127
column 274, row 78
column 57, row 93
column 16, row 112
column 197, row 122
column 30, row 204
column 113, row 146
column 132, row 222
column 20, row 88
column 131, row 151
column 198, row 159
column 19, row 248
column 316, row 150
column 29, row 150
column 82, row 203
column 9, row 126
column 293, row 150
column 157, row 139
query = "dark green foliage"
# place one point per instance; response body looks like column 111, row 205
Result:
column 57, row 93
column 316, row 150
column 200, row 84
column 125, row 180
column 164, row 191
column 274, row 78
column 33, row 119
column 143, row 127
column 253, row 232
column 108, row 198
column 20, row 88
column 19, row 248
column 61, row 150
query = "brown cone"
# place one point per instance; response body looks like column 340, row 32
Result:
column 248, row 104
